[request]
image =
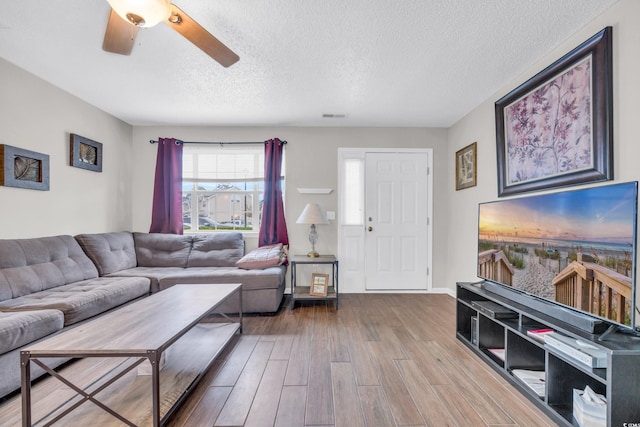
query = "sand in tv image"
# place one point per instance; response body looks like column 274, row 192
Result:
column 575, row 247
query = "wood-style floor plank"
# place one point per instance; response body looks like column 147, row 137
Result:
column 319, row 393
column 375, row 406
column 265, row 404
column 348, row 412
column 458, row 406
column 206, row 410
column 403, row 408
column 433, row 410
column 381, row 360
column 363, row 366
column 298, row 366
column 475, row 393
column 291, row 408
column 237, row 406
column 339, row 343
column 234, row 364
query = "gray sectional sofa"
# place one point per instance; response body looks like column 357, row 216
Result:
column 47, row 284
column 51, row 283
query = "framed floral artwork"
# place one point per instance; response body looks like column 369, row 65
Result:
column 556, row 129
column 466, row 164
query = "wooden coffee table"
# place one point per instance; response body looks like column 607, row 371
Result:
column 168, row 322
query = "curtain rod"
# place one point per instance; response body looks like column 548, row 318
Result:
column 153, row 141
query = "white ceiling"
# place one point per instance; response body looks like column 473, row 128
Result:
column 380, row 62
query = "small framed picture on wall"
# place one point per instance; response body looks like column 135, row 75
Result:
column 466, row 162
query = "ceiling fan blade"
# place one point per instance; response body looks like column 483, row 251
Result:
column 120, row 35
column 192, row 31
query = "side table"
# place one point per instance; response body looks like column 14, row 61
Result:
column 302, row 293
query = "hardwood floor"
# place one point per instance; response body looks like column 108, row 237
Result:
column 381, row 360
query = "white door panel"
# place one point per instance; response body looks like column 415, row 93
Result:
column 396, row 221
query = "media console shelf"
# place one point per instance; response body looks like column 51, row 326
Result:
column 498, row 334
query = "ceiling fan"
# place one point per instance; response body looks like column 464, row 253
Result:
column 127, row 16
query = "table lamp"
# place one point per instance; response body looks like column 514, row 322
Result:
column 312, row 214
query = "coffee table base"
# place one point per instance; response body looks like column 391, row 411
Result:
column 173, row 322
column 129, row 402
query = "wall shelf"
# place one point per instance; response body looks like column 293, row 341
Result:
column 315, row 190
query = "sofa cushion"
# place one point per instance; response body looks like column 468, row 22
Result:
column 216, row 250
column 33, row 265
column 83, row 299
column 162, row 250
column 153, row 273
column 263, row 257
column 110, row 252
column 269, row 278
column 20, row 328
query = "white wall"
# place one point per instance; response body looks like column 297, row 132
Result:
column 311, row 161
column 37, row 116
column 479, row 125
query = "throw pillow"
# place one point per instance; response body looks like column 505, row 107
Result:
column 263, row 257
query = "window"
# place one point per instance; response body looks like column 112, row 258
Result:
column 353, row 192
column 223, row 187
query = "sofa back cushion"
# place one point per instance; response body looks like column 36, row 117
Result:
column 216, row 250
column 110, row 252
column 33, row 265
column 162, row 250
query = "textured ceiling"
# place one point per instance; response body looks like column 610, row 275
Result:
column 379, row 62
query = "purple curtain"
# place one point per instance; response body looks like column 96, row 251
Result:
column 166, row 215
column 273, row 228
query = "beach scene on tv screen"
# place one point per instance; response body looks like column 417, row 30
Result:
column 574, row 247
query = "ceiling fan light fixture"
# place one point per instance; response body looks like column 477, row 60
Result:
column 142, row 13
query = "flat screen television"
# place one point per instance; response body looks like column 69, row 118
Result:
column 575, row 249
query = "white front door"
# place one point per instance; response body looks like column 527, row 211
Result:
column 396, row 221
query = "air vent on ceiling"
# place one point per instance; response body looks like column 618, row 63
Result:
column 334, row 116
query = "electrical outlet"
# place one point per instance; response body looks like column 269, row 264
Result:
column 331, row 215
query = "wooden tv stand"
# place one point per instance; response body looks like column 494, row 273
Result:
column 619, row 381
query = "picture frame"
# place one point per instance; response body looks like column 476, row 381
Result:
column 85, row 153
column 556, row 129
column 466, row 166
column 24, row 168
column 319, row 285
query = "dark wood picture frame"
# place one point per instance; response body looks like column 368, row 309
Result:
column 85, row 153
column 319, row 285
column 24, row 168
column 466, row 166
column 520, row 111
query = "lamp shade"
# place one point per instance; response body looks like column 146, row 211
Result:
column 143, row 13
column 312, row 214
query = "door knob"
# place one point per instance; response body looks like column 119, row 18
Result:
column 370, row 228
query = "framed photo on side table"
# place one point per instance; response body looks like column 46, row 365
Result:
column 319, row 285
column 556, row 129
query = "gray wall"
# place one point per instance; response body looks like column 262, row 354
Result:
column 311, row 161
column 37, row 116
column 479, row 126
